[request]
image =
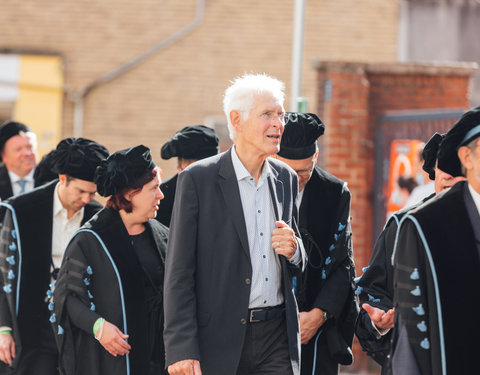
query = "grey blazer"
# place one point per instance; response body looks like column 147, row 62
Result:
column 208, row 268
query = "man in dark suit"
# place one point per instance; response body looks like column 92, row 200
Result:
column 229, row 302
column 189, row 145
column 18, row 154
column 326, row 298
column 36, row 227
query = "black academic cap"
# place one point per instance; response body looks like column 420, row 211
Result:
column 78, row 158
column 192, row 142
column 123, row 168
column 429, row 154
column 10, row 129
column 44, row 170
column 299, row 139
column 465, row 130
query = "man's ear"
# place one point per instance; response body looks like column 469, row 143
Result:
column 62, row 178
column 465, row 155
column 235, row 119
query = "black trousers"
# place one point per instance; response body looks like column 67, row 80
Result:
column 265, row 349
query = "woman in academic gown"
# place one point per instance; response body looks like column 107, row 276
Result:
column 108, row 301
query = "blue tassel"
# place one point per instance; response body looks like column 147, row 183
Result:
column 364, row 269
column 373, row 299
column 60, row 330
column 324, row 275
column 50, row 306
column 14, row 234
column 86, row 281
column 357, row 279
column 415, row 275
column 53, row 318
column 337, row 236
column 425, row 344
column 7, row 288
column 328, row 261
column 422, row 327
column 358, row 290
column 340, row 227
column 332, row 247
column 11, row 260
column 49, row 293
column 419, row 310
column 13, row 246
column 89, row 270
column 11, row 275
column 89, row 294
column 52, row 285
column 92, row 306
column 416, row 292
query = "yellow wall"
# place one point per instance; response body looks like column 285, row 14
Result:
column 40, row 100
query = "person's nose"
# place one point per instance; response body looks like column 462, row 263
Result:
column 160, row 194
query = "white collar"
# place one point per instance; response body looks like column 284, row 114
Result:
column 14, row 177
column 241, row 172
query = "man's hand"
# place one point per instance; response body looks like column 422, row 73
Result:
column 310, row 322
column 7, row 348
column 113, row 340
column 284, row 241
column 185, row 367
column 382, row 320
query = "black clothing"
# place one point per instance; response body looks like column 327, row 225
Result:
column 436, row 289
column 26, row 249
column 327, row 282
column 102, row 273
column 164, row 213
column 375, row 287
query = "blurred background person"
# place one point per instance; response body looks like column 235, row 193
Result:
column 119, row 255
column 18, row 146
column 189, row 145
column 327, row 304
column 47, row 217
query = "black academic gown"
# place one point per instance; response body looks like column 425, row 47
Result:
column 327, row 282
column 101, row 271
column 437, row 293
column 6, row 185
column 375, row 287
column 164, row 213
column 25, row 261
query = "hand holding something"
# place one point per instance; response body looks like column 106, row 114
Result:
column 382, row 320
column 284, row 241
column 113, row 340
column 310, row 323
column 185, row 367
column 7, row 348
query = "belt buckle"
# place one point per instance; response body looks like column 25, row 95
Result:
column 251, row 320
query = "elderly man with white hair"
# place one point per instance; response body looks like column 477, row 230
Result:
column 229, row 302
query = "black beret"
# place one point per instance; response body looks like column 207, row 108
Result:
column 78, row 158
column 44, row 170
column 10, row 129
column 465, row 130
column 299, row 138
column 429, row 154
column 123, row 168
column 192, row 142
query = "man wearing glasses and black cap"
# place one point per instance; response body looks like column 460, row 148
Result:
column 325, row 294
column 18, row 153
column 436, row 267
column 189, row 145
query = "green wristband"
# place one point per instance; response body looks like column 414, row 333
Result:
column 97, row 325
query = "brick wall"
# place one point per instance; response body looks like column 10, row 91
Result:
column 183, row 84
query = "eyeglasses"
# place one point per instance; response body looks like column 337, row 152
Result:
column 271, row 116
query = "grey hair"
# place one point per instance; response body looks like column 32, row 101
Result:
column 241, row 95
column 471, row 145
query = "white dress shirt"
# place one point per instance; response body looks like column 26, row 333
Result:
column 475, row 196
column 16, row 188
column 259, row 219
column 63, row 228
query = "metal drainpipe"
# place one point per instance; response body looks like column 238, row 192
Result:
column 78, row 96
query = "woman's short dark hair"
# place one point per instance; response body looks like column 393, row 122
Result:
column 119, row 202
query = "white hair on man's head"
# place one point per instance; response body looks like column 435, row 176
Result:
column 241, row 95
